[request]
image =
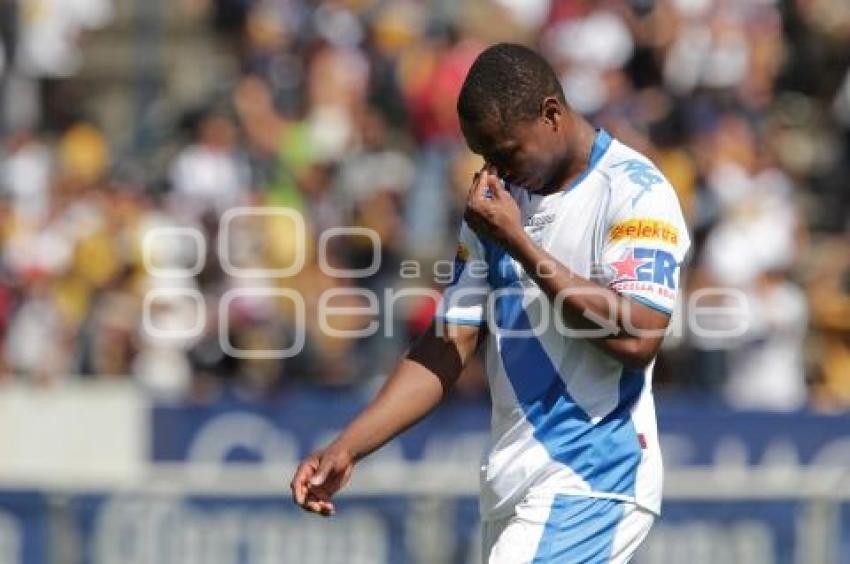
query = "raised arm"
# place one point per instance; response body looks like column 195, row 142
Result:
column 633, row 329
column 417, row 385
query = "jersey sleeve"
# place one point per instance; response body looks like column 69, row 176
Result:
column 646, row 239
column 465, row 297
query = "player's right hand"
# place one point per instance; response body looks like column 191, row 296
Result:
column 319, row 477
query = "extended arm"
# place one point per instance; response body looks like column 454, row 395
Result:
column 417, row 385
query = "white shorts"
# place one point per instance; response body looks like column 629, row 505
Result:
column 567, row 529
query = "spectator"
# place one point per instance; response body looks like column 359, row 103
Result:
column 208, row 175
column 345, row 113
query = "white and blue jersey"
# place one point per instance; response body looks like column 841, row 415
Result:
column 568, row 419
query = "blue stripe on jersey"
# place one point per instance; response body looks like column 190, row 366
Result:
column 600, row 144
column 579, row 530
column 606, row 455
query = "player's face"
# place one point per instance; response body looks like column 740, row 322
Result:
column 526, row 153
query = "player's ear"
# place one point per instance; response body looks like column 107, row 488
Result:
column 551, row 112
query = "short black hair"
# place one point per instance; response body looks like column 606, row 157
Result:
column 508, row 82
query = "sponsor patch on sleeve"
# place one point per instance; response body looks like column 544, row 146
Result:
column 647, row 272
column 645, row 230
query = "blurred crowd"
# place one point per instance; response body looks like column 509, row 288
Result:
column 344, row 110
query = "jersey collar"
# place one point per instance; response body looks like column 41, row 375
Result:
column 600, row 145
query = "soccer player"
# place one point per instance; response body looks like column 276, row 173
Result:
column 567, row 268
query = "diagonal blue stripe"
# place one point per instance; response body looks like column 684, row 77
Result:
column 606, row 454
column 579, row 530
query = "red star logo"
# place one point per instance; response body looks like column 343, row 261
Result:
column 626, row 268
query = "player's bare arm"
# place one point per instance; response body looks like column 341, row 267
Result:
column 493, row 213
column 417, row 385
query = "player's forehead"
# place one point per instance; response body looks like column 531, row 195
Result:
column 491, row 137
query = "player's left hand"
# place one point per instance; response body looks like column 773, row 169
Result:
column 491, row 211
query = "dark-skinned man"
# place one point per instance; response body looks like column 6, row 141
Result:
column 567, row 271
